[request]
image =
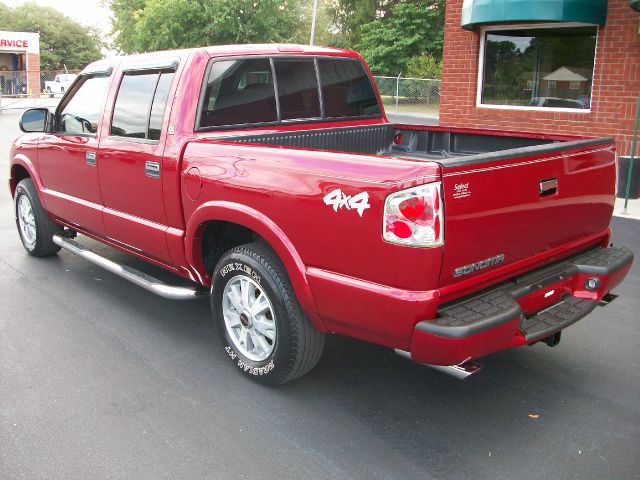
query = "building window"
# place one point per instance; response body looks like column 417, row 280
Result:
column 537, row 66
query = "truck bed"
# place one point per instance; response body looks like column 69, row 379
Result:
column 435, row 144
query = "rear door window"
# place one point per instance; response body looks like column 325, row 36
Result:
column 159, row 104
column 346, row 89
column 140, row 104
column 239, row 91
column 297, row 89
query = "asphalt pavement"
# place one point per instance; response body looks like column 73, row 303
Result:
column 100, row 379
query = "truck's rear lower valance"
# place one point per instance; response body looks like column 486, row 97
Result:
column 478, row 12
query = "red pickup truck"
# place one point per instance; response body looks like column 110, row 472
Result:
column 270, row 176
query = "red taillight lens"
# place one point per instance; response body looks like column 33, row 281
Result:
column 414, row 217
column 400, row 229
column 415, row 209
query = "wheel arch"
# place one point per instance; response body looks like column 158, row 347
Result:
column 21, row 168
column 248, row 225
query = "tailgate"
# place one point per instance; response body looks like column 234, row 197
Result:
column 505, row 207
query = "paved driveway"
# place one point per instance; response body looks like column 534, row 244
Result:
column 99, row 379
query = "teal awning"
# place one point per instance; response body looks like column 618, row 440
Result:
column 477, row 12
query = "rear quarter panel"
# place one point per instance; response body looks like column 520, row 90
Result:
column 288, row 186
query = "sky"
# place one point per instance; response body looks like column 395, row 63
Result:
column 87, row 12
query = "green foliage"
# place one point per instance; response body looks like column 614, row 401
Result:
column 63, row 42
column 328, row 33
column 351, row 15
column 393, row 35
column 424, row 66
column 147, row 25
column 408, row 30
column 4, row 14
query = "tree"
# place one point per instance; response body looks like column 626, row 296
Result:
column 328, row 32
column 4, row 14
column 408, row 30
column 146, row 25
column 350, row 16
column 424, row 66
column 63, row 42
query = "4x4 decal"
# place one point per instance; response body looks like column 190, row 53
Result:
column 338, row 199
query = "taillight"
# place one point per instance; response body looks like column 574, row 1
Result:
column 414, row 217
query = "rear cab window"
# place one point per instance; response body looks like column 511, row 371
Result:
column 283, row 89
column 297, row 89
column 239, row 91
column 347, row 89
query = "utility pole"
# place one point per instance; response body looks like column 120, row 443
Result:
column 313, row 21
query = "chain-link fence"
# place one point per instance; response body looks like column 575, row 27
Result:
column 20, row 89
column 410, row 95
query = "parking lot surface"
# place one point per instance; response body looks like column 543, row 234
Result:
column 100, row 379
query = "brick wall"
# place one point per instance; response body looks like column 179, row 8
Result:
column 616, row 83
column 33, row 77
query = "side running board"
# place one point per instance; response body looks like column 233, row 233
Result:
column 141, row 279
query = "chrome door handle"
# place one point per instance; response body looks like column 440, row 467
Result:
column 91, row 158
column 548, row 187
column 152, row 169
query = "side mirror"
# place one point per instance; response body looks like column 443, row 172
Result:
column 36, row 120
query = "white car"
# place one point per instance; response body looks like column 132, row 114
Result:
column 60, row 84
column 554, row 102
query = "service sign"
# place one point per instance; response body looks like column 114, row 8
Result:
column 19, row 42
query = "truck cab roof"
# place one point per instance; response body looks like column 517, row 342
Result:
column 149, row 59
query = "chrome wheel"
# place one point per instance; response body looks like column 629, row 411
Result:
column 249, row 318
column 26, row 220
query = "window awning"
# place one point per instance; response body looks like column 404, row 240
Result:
column 477, row 12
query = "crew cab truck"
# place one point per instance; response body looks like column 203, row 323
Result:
column 270, row 177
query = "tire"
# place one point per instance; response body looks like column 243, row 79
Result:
column 35, row 228
column 280, row 343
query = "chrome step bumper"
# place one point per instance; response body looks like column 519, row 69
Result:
column 141, row 279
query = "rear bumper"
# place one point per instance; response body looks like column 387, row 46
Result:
column 528, row 309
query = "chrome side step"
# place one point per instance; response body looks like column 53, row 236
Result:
column 141, row 279
column 462, row 371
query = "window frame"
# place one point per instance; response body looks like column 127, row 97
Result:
column 142, row 71
column 280, row 121
column 481, row 61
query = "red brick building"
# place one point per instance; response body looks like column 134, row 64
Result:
column 515, row 65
